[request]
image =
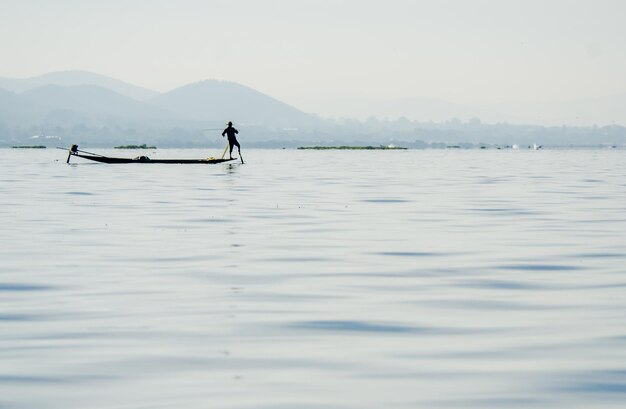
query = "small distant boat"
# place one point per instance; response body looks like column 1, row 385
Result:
column 74, row 151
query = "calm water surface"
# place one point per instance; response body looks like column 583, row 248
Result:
column 307, row 279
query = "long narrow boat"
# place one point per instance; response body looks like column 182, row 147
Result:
column 74, row 151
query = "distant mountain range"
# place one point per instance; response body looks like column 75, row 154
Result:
column 94, row 102
column 220, row 100
column 90, row 108
column 73, row 78
column 77, row 97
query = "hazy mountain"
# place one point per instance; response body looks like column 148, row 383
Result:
column 221, row 101
column 16, row 110
column 94, row 102
column 73, row 78
column 101, row 116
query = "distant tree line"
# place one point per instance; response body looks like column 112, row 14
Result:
column 335, row 132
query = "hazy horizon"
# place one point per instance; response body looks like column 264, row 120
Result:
column 336, row 59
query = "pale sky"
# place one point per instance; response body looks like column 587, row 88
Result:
column 310, row 53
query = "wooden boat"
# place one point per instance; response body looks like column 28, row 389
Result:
column 74, row 151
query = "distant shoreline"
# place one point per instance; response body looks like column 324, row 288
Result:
column 28, row 147
column 325, row 148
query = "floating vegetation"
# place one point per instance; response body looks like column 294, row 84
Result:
column 29, row 147
column 325, row 148
column 144, row 146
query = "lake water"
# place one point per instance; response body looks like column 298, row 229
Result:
column 309, row 279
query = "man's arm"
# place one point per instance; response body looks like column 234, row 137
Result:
column 223, row 133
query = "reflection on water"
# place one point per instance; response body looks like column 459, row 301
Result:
column 307, row 279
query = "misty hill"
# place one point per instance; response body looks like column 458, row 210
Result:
column 91, row 101
column 98, row 115
column 75, row 78
column 220, row 101
column 16, row 110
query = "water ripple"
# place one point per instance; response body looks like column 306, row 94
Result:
column 502, row 284
column 408, row 254
column 539, row 267
column 361, row 326
column 17, row 287
column 18, row 317
column 600, row 383
column 438, row 279
column 77, row 193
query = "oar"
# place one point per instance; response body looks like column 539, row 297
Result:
column 70, row 152
column 240, row 157
column 225, row 149
column 78, row 150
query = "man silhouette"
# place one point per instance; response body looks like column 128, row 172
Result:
column 232, row 140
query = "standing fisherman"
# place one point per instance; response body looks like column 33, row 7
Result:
column 232, row 140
